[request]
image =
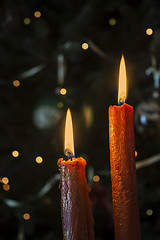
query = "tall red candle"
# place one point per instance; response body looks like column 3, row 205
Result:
column 76, row 207
column 123, row 170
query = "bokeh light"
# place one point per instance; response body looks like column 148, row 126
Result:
column 112, row 21
column 15, row 153
column 149, row 212
column 85, row 46
column 60, row 104
column 63, row 91
column 5, row 180
column 26, row 216
column 16, row 83
column 149, row 31
column 136, row 154
column 37, row 14
column 6, row 187
column 39, row 159
column 27, row 21
column 96, row 178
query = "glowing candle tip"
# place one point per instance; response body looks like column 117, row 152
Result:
column 69, row 141
column 122, row 82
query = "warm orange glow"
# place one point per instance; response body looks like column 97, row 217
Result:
column 16, row 83
column 15, row 153
column 37, row 14
column 63, row 91
column 85, row 46
column 39, row 159
column 122, row 89
column 149, row 31
column 68, row 142
column 5, row 180
column 136, row 154
column 6, row 187
column 26, row 216
column 96, row 178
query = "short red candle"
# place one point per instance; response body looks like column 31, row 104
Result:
column 76, row 207
column 123, row 172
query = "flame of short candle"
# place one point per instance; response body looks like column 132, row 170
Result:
column 122, row 89
column 69, row 142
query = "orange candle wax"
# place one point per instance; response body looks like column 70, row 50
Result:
column 76, row 207
column 123, row 171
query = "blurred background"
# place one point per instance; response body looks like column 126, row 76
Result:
column 56, row 54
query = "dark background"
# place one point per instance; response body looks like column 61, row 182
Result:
column 32, row 115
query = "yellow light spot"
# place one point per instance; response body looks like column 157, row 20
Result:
column 39, row 159
column 37, row 14
column 60, row 104
column 149, row 31
column 112, row 21
column 16, row 83
column 6, row 187
column 136, row 154
column 26, row 21
column 96, row 178
column 63, row 91
column 15, row 153
column 26, row 216
column 85, row 46
column 5, row 180
column 149, row 212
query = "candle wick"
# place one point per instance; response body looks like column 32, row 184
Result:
column 68, row 154
column 121, row 101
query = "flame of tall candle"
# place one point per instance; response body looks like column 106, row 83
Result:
column 69, row 141
column 122, row 89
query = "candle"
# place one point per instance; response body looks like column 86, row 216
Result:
column 76, row 207
column 122, row 161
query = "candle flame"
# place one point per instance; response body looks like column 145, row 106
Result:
column 69, row 142
column 122, row 89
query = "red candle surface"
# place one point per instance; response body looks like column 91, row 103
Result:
column 123, row 172
column 76, row 207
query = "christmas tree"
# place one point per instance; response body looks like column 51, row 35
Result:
column 60, row 54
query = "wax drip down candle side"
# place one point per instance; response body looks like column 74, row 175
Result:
column 122, row 162
column 76, row 206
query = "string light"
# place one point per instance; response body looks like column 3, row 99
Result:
column 63, row 91
column 26, row 216
column 149, row 31
column 27, row 21
column 6, row 187
column 96, row 178
column 5, row 180
column 39, row 159
column 85, row 46
column 60, row 104
column 136, row 154
column 112, row 21
column 16, row 83
column 37, row 14
column 149, row 212
column 15, row 153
